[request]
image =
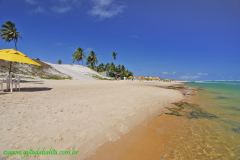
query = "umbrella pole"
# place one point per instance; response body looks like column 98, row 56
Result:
column 9, row 77
column 10, row 67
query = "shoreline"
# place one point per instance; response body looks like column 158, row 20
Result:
column 148, row 140
column 199, row 127
column 80, row 115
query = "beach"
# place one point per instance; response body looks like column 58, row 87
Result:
column 205, row 125
column 119, row 80
column 79, row 115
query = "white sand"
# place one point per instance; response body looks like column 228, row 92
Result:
column 77, row 72
column 77, row 114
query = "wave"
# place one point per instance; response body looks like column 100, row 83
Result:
column 228, row 82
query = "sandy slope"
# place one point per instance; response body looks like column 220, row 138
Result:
column 77, row 114
column 77, row 72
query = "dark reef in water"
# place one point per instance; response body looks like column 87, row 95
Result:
column 191, row 111
column 201, row 114
column 174, row 111
column 234, row 108
column 236, row 130
column 221, row 97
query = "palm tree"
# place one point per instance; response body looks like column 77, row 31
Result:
column 9, row 33
column 114, row 55
column 92, row 60
column 78, row 55
column 59, row 61
column 100, row 68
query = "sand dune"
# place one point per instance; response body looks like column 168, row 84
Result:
column 79, row 115
column 77, row 72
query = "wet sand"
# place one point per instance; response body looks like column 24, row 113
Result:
column 194, row 132
column 149, row 141
column 153, row 140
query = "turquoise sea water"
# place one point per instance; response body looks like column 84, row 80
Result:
column 219, row 134
column 225, row 96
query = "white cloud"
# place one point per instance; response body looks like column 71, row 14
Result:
column 169, row 73
column 202, row 74
column 193, row 76
column 61, row 9
column 106, row 8
column 189, row 77
column 32, row 2
column 56, row 6
column 39, row 10
column 99, row 8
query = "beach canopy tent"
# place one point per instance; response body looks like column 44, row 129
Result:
column 12, row 55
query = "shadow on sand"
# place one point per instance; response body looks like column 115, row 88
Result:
column 35, row 89
column 2, row 93
column 29, row 89
column 35, row 82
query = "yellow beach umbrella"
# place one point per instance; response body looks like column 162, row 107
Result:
column 16, row 56
column 12, row 55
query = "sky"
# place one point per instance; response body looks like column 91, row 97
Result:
column 181, row 39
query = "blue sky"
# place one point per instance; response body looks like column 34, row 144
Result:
column 183, row 39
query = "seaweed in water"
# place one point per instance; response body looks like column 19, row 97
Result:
column 192, row 111
column 236, row 130
column 221, row 97
column 197, row 114
column 174, row 111
column 234, row 108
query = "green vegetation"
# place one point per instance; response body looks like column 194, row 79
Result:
column 92, row 60
column 112, row 70
column 55, row 77
column 9, row 33
column 78, row 55
column 59, row 61
column 99, row 77
column 114, row 55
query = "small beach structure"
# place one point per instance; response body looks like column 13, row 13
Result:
column 12, row 55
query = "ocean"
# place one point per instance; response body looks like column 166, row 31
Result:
column 214, row 128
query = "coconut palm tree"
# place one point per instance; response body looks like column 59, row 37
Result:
column 9, row 33
column 114, row 55
column 78, row 55
column 59, row 61
column 92, row 60
column 100, row 68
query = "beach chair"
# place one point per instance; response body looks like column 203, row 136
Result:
column 1, row 84
column 2, row 81
column 9, row 82
column 16, row 82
